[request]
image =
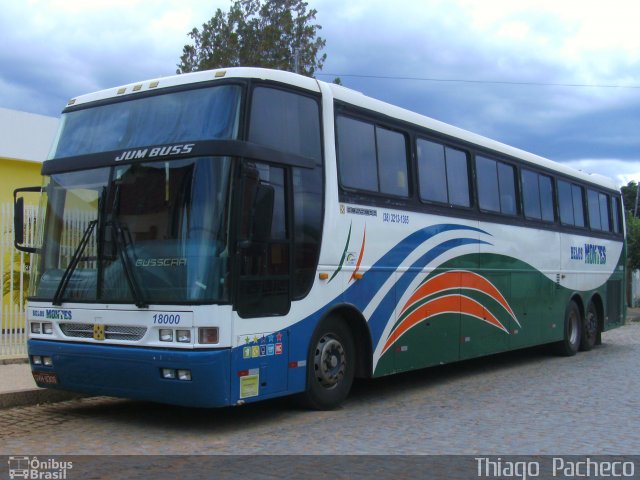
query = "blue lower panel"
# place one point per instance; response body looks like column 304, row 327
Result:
column 136, row 372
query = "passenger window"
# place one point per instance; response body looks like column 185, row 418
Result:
column 496, row 186
column 577, row 193
column 537, row 196
column 598, row 210
column 443, row 174
column 615, row 210
column 566, row 203
column 392, row 162
column 357, row 154
column 571, row 200
column 371, row 158
column 594, row 210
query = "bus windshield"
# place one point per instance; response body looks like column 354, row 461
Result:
column 203, row 114
column 141, row 233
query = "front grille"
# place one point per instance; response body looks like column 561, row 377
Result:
column 111, row 332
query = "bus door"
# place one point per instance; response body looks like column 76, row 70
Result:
column 262, row 271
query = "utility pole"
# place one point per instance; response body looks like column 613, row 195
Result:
column 635, row 208
column 296, row 67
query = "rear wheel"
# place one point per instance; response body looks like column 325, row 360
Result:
column 330, row 365
column 569, row 345
column 589, row 328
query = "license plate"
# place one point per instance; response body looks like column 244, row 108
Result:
column 45, row 378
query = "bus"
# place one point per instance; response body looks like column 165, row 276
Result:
column 228, row 236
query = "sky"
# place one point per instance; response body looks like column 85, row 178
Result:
column 559, row 78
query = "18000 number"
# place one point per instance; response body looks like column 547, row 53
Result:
column 166, row 319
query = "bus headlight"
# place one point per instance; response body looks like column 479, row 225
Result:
column 47, row 328
column 183, row 336
column 166, row 335
column 36, row 327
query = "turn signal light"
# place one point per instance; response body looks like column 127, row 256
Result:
column 208, row 335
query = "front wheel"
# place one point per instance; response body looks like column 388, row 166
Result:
column 330, row 365
column 570, row 343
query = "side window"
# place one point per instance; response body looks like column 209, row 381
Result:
column 615, row 214
column 496, row 186
column 566, row 203
column 603, row 200
column 357, row 154
column 285, row 121
column 577, row 192
column 371, row 158
column 598, row 210
column 392, row 162
column 537, row 196
column 571, row 200
column 443, row 174
column 594, row 210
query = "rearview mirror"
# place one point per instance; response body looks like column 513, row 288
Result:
column 18, row 219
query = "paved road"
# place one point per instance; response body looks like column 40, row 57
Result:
column 522, row 403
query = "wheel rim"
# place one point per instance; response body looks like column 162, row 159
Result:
column 330, row 361
column 573, row 326
column 592, row 320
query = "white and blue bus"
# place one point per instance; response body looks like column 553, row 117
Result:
column 229, row 236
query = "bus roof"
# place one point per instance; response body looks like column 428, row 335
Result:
column 348, row 96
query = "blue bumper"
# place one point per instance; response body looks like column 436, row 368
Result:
column 136, row 372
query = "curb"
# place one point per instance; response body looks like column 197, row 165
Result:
column 21, row 398
column 14, row 360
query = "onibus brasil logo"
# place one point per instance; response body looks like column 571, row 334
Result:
column 34, row 468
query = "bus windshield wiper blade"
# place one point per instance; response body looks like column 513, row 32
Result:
column 122, row 241
column 73, row 264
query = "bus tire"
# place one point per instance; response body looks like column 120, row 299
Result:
column 330, row 365
column 570, row 343
column 589, row 333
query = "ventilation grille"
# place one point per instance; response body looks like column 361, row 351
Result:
column 111, row 332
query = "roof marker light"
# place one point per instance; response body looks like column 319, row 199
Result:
column 221, row 73
column 121, row 90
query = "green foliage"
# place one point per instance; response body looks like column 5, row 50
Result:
column 629, row 195
column 257, row 33
column 633, row 242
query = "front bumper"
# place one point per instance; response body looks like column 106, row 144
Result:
column 136, row 373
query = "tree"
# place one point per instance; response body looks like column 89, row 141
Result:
column 629, row 196
column 257, row 33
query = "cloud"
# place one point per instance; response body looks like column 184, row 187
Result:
column 532, row 44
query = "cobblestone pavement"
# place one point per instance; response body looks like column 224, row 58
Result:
column 524, row 403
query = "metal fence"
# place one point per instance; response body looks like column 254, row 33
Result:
column 14, row 271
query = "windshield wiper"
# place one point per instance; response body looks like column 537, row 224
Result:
column 73, row 264
column 122, row 238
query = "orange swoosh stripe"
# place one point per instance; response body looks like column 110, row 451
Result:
column 459, row 279
column 438, row 306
